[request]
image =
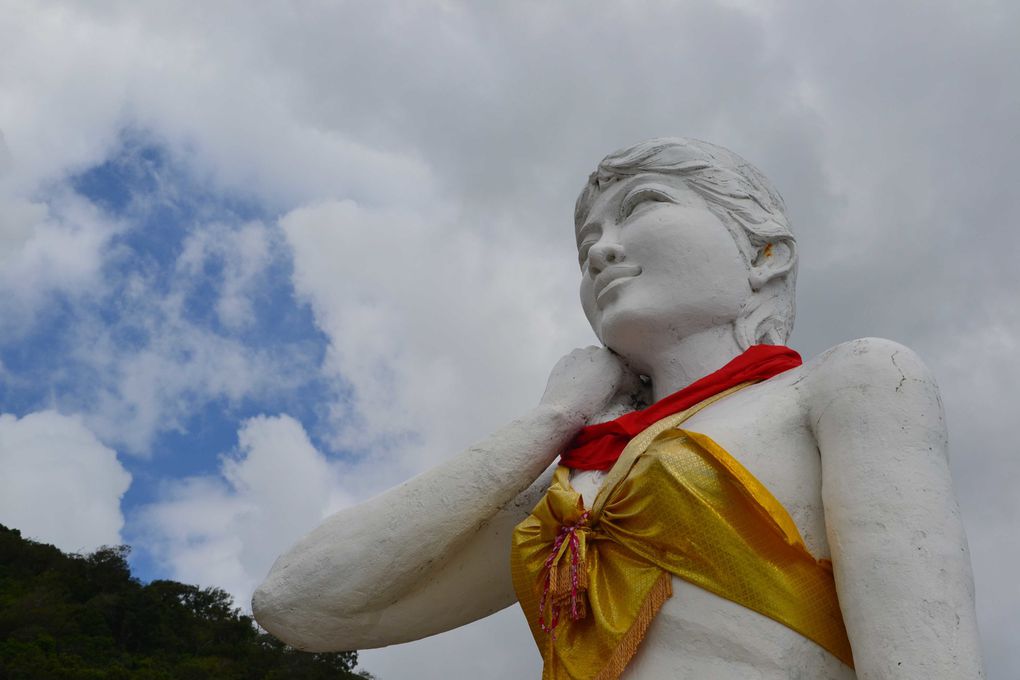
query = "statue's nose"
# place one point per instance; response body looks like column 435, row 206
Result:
column 604, row 254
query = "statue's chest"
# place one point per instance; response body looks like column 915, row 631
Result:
column 766, row 434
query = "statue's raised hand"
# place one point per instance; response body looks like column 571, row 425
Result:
column 587, row 382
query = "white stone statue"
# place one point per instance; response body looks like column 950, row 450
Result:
column 687, row 259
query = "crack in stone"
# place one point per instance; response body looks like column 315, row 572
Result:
column 903, row 377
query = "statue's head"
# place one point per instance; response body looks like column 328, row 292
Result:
column 677, row 236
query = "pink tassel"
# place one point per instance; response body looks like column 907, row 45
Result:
column 577, row 574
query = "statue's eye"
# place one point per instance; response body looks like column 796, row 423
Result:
column 640, row 198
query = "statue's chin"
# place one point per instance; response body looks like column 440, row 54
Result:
column 634, row 334
column 640, row 333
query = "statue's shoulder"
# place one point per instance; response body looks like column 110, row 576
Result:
column 875, row 367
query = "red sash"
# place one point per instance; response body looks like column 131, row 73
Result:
column 596, row 447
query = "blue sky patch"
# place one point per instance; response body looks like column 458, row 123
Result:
column 162, row 206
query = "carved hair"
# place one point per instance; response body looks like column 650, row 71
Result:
column 743, row 199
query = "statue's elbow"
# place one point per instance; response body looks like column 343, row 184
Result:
column 279, row 615
column 305, row 625
column 272, row 612
column 262, row 607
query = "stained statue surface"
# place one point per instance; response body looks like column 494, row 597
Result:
column 689, row 500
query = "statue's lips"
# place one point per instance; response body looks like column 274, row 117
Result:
column 612, row 276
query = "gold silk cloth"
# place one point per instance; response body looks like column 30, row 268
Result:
column 674, row 504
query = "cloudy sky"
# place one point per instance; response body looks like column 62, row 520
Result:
column 260, row 262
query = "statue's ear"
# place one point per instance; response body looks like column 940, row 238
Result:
column 772, row 260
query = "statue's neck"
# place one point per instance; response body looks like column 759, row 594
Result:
column 676, row 366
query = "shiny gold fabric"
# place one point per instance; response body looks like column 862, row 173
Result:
column 676, row 503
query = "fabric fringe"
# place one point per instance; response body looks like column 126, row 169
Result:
column 628, row 645
column 568, row 589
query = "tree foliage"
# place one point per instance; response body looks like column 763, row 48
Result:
column 78, row 617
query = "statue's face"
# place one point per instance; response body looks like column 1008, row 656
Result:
column 656, row 260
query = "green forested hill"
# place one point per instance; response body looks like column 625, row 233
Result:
column 84, row 616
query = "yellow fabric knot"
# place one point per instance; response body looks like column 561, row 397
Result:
column 565, row 571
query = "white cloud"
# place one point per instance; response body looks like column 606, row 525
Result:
column 243, row 253
column 46, row 250
column 227, row 529
column 60, row 485
column 441, row 332
column 154, row 361
column 215, row 96
column 46, row 247
column 178, row 367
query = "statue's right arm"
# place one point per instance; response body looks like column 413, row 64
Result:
column 433, row 553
